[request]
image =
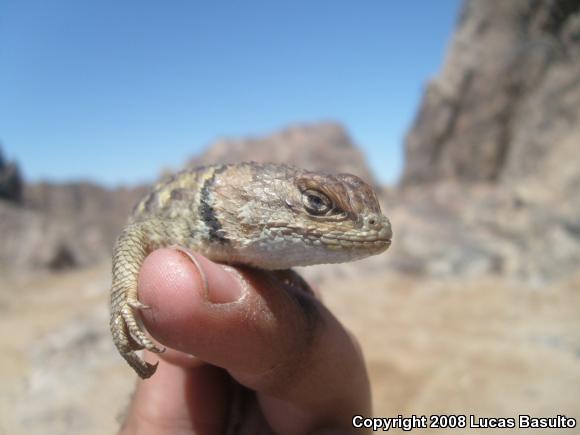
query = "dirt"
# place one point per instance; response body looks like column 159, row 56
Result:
column 487, row 347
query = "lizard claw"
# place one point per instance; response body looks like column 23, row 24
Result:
column 134, row 328
column 137, row 304
column 143, row 368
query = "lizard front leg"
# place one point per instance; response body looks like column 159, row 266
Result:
column 128, row 333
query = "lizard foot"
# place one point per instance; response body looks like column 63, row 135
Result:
column 127, row 347
column 136, row 331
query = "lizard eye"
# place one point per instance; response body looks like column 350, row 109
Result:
column 316, row 203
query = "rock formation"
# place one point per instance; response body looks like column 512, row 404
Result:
column 505, row 105
column 59, row 226
column 498, row 132
column 322, row 146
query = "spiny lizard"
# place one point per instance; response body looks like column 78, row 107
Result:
column 262, row 215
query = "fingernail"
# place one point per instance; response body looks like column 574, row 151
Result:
column 220, row 285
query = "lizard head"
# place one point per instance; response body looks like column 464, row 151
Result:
column 276, row 217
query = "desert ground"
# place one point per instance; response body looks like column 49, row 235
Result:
column 482, row 346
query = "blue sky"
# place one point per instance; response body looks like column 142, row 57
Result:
column 114, row 91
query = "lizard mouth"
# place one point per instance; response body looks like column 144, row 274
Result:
column 380, row 237
column 349, row 242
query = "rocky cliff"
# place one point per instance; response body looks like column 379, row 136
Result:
column 324, row 146
column 58, row 226
column 492, row 176
column 505, row 105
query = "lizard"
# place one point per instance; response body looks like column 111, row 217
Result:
column 267, row 216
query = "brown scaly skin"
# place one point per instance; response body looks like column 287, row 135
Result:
column 262, row 215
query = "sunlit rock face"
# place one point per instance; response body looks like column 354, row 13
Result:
column 505, row 104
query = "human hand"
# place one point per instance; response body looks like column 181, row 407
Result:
column 301, row 371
